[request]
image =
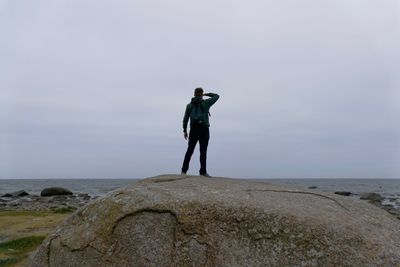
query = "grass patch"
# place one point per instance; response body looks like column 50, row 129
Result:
column 17, row 250
column 8, row 261
column 22, row 243
column 17, row 224
column 24, row 213
column 23, row 231
column 64, row 210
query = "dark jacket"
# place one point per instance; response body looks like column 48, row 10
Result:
column 205, row 106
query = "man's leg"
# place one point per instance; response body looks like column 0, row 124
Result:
column 203, row 140
column 193, row 137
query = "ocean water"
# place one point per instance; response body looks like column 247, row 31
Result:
column 389, row 188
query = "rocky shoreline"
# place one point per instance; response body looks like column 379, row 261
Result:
column 56, row 200
column 391, row 205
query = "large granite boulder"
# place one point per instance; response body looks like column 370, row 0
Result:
column 173, row 220
column 55, row 191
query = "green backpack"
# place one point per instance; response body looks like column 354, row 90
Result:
column 197, row 114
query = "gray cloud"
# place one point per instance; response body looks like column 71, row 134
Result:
column 98, row 89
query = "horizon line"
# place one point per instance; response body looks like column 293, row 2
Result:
column 130, row 178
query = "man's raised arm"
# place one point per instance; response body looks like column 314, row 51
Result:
column 213, row 98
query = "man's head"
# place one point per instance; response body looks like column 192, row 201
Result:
column 198, row 91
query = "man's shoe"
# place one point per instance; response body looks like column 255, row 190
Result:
column 183, row 173
column 206, row 175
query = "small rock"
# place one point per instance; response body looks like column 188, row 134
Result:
column 27, row 199
column 375, row 197
column 393, row 211
column 60, row 197
column 312, row 187
column 387, row 207
column 84, row 196
column 343, row 193
column 55, row 191
column 14, row 203
column 19, row 193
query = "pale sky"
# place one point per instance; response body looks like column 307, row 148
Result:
column 97, row 89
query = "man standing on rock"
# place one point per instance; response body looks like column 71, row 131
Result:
column 198, row 112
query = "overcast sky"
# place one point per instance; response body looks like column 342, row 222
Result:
column 97, row 89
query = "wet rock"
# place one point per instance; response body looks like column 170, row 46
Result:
column 83, row 196
column 19, row 193
column 55, row 191
column 343, row 193
column 375, row 197
column 312, row 187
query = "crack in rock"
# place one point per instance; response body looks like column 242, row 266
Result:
column 83, row 248
column 299, row 192
column 169, row 180
column 141, row 211
column 89, row 244
column 48, row 249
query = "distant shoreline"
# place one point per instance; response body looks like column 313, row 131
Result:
column 388, row 189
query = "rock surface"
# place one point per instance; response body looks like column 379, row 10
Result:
column 55, row 191
column 173, row 220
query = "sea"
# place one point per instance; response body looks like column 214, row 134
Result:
column 388, row 188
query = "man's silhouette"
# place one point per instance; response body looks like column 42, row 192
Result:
column 198, row 111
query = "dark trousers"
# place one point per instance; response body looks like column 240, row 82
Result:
column 201, row 134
